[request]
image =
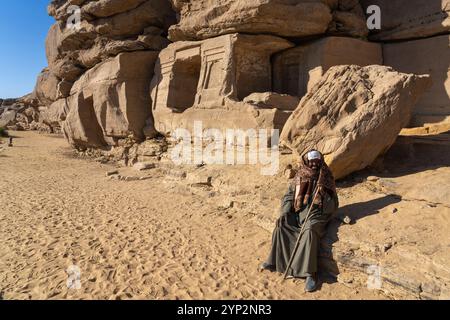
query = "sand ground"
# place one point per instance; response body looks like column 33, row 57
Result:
column 150, row 239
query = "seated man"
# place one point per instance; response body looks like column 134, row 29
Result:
column 313, row 187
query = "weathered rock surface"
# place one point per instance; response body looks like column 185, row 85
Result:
column 230, row 78
column 8, row 117
column 108, row 27
column 99, row 72
column 46, row 90
column 142, row 166
column 235, row 49
column 348, row 19
column 111, row 101
column 204, row 19
column 7, row 102
column 55, row 114
column 273, row 100
column 20, row 114
column 353, row 115
column 431, row 56
column 410, row 19
column 297, row 70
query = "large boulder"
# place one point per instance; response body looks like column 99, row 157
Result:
column 353, row 115
column 410, row 19
column 8, row 102
column 202, row 19
column 110, row 101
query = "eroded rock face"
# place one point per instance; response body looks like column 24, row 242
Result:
column 20, row 114
column 202, row 19
column 110, row 101
column 431, row 56
column 108, row 27
column 410, row 19
column 353, row 114
column 8, row 117
column 97, row 84
column 46, row 90
column 348, row 19
column 54, row 115
column 270, row 100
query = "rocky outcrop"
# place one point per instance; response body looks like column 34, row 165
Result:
column 410, row 19
column 233, row 63
column 203, row 19
column 110, row 101
column 98, row 75
column 8, row 116
column 8, row 102
column 416, row 40
column 247, row 81
column 348, row 19
column 353, row 114
column 20, row 114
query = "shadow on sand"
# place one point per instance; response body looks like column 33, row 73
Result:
column 409, row 155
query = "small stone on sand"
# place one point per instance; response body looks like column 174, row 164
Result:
column 112, row 173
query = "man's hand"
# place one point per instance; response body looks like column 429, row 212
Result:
column 297, row 204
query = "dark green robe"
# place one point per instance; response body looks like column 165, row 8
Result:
column 287, row 231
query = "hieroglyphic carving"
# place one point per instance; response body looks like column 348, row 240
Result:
column 212, row 76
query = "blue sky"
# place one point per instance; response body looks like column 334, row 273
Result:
column 23, row 27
